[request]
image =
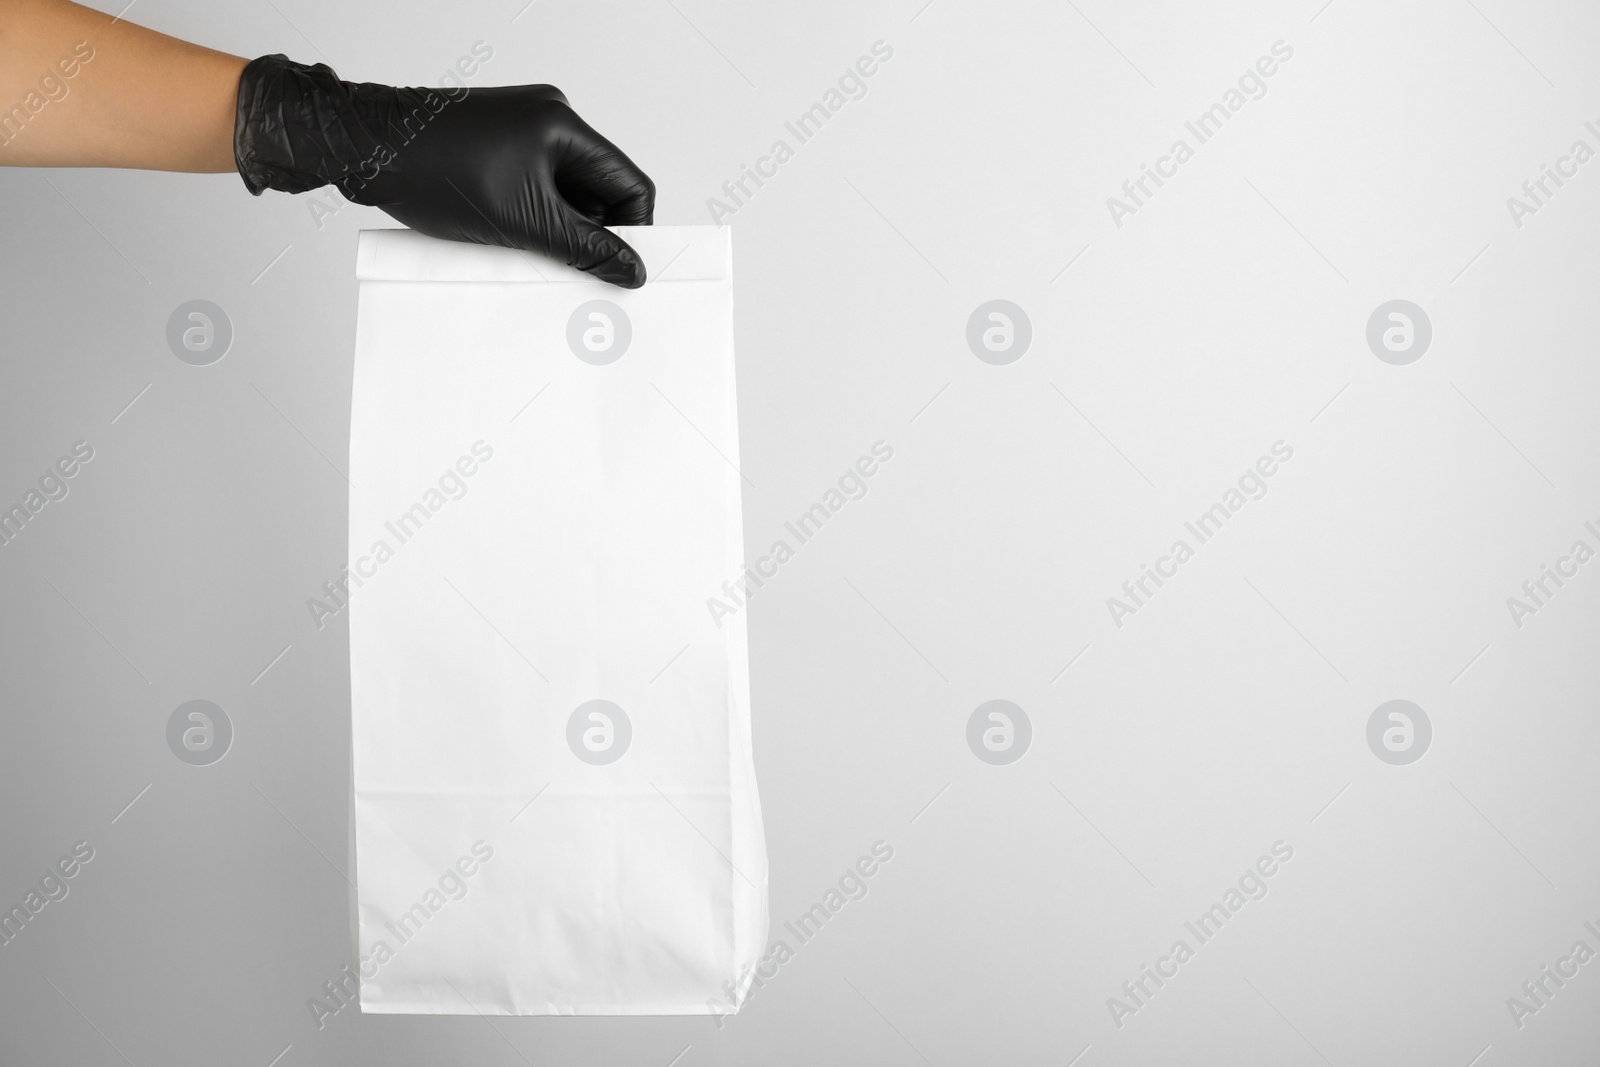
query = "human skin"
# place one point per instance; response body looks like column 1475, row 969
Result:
column 145, row 101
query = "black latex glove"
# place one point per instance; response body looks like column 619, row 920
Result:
column 512, row 166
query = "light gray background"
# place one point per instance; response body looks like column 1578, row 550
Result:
column 1167, row 755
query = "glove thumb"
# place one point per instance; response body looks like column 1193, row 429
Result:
column 593, row 248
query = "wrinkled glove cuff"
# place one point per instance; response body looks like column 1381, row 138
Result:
column 298, row 127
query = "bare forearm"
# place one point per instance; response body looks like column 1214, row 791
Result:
column 134, row 97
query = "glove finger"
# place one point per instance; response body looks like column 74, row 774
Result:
column 593, row 248
column 597, row 179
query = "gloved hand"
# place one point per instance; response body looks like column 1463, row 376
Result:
column 511, row 166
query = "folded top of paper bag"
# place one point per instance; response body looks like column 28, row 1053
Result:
column 670, row 253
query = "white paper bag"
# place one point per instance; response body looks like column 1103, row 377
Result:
column 555, row 798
